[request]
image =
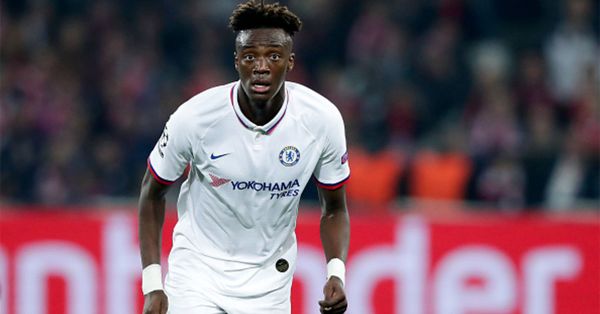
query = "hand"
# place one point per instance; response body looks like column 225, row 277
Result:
column 335, row 297
column 155, row 302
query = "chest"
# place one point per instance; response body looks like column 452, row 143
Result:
column 230, row 151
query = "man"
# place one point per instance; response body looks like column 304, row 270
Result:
column 251, row 147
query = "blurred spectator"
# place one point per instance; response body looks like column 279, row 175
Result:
column 377, row 46
column 439, row 74
column 539, row 156
column 491, row 113
column 502, row 183
column 439, row 176
column 532, row 88
column 441, row 173
column 375, row 177
column 405, row 111
column 571, row 49
column 585, row 113
column 574, row 177
column 495, row 128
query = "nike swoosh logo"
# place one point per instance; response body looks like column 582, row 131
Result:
column 213, row 156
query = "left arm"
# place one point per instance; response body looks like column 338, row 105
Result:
column 335, row 223
column 335, row 237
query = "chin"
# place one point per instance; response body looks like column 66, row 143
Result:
column 260, row 97
column 269, row 95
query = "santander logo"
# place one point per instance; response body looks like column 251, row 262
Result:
column 216, row 181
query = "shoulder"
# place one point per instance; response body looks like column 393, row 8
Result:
column 205, row 107
column 210, row 99
column 312, row 104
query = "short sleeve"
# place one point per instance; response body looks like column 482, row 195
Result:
column 332, row 170
column 172, row 153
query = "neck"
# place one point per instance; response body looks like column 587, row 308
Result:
column 260, row 112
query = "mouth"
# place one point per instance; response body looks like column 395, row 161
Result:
column 260, row 87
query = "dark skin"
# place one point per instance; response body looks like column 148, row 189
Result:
column 335, row 237
column 151, row 218
column 262, row 59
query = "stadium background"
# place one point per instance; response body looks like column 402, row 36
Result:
column 473, row 123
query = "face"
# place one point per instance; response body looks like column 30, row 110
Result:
column 262, row 59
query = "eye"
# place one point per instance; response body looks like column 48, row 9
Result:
column 275, row 57
column 248, row 57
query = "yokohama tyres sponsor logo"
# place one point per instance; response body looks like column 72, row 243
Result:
column 264, row 186
column 277, row 189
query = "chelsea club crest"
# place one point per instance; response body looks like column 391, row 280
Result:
column 289, row 156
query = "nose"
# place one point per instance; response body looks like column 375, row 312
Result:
column 261, row 66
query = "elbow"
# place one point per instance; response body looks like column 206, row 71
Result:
column 334, row 212
column 151, row 190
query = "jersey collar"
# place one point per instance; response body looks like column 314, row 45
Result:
column 270, row 126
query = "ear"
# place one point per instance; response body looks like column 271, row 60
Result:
column 235, row 60
column 291, row 60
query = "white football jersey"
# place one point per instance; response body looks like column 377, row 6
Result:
column 238, row 207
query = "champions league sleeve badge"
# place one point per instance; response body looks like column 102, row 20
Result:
column 162, row 143
column 289, row 156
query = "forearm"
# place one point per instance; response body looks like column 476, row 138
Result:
column 151, row 218
column 335, row 233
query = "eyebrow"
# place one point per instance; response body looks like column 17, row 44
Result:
column 276, row 45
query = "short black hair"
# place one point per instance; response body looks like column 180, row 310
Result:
column 254, row 14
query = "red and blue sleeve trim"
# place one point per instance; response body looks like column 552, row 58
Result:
column 331, row 186
column 156, row 176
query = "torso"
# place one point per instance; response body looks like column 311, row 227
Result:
column 239, row 204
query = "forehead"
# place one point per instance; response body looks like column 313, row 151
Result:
column 262, row 37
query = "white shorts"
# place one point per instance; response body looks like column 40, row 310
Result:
column 193, row 287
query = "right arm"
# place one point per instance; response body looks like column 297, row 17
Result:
column 151, row 217
column 166, row 164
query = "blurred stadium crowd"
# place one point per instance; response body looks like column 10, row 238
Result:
column 487, row 102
